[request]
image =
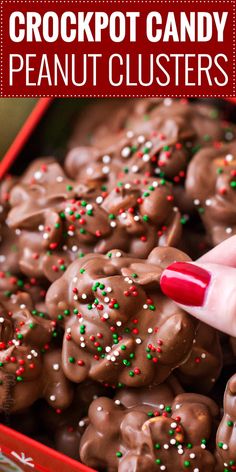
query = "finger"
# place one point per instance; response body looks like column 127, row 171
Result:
column 206, row 291
column 224, row 253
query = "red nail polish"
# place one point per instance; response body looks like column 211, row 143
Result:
column 185, row 283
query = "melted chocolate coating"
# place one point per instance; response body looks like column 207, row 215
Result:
column 150, row 429
column 226, row 438
column 211, row 182
column 119, row 327
column 204, row 364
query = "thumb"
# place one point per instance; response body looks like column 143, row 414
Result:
column 205, row 290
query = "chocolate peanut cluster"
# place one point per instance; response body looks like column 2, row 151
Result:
column 151, row 429
column 119, row 327
column 57, row 220
column 211, row 183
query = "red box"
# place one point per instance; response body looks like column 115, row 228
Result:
column 17, row 450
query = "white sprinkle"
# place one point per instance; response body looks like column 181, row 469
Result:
column 148, row 144
column 106, row 170
column 113, row 224
column 229, row 157
column 70, row 233
column 134, row 169
column 108, row 349
column 136, row 218
column 45, row 235
column 116, row 353
column 106, row 316
column 22, row 306
column 192, row 455
column 81, row 338
column 117, row 402
column 75, row 279
column 82, row 344
column 146, row 158
column 173, row 425
column 196, row 470
column 75, row 297
column 145, row 306
column 89, row 171
column 74, row 248
column 108, row 357
column 126, row 152
column 203, row 355
column 68, row 330
column 180, row 451
column 56, row 367
column 18, row 232
column 106, row 159
column 177, row 406
column 225, row 447
column 106, row 299
column 129, row 134
column 173, row 442
column 84, row 296
column 81, row 423
column 150, row 330
column 208, row 202
column 109, row 289
column 89, row 207
column 127, row 186
column 163, row 467
column 99, row 200
column 166, row 446
column 29, row 357
column 38, row 175
column 141, row 139
column 41, row 227
column 113, row 359
column 118, row 254
column 2, row 258
column 60, row 178
column 1, row 320
column 52, row 398
column 99, row 408
column 229, row 230
column 161, row 406
column 118, row 323
column 155, row 183
column 203, row 446
column 138, row 341
column 196, row 201
column 168, row 101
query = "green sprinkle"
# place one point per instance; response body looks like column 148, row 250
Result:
column 69, row 187
column 145, row 218
column 82, row 271
column 66, row 312
column 157, row 446
column 187, row 464
column 131, row 373
column 19, row 378
column 71, row 360
column 123, row 347
column 20, row 336
column 75, row 311
column 119, row 454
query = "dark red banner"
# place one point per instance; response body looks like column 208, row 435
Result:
column 117, row 48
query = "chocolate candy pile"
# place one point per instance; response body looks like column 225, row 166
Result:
column 106, row 367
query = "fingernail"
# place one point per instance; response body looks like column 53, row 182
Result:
column 185, row 283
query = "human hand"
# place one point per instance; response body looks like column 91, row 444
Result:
column 206, row 288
